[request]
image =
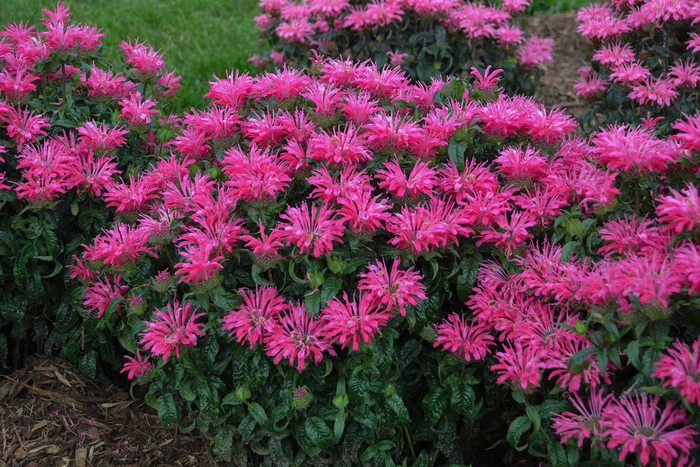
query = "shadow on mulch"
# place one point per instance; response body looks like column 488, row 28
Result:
column 51, row 415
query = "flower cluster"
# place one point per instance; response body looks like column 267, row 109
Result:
column 406, row 33
column 644, row 60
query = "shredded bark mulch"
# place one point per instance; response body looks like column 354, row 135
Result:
column 51, row 415
column 558, row 78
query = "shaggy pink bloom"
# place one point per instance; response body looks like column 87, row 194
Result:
column 519, row 165
column 264, row 129
column 680, row 211
column 82, row 271
column 133, row 197
column 232, row 91
column 353, row 322
column 550, row 127
column 641, row 427
column 329, row 8
column 589, row 87
column 266, row 248
column 630, row 74
column 535, row 50
column 383, row 12
column 688, row 132
column 283, row 85
column 136, row 367
column 685, row 74
column 297, row 126
column 475, row 178
column 143, row 58
column 100, row 137
column 396, row 58
column 506, row 116
column 511, row 234
column 297, row 337
column 614, row 55
column 17, row 84
column 99, row 295
column 119, row 246
column 488, row 81
column 568, row 376
column 255, row 176
column 393, row 289
column 349, row 183
column 586, row 423
column 633, row 150
column 364, row 213
column 297, row 30
column 202, row 262
column 255, row 318
column 545, row 203
column 687, row 263
column 520, row 367
column 659, row 92
column 392, row 131
column 23, row 126
column 509, row 35
column 680, row 369
column 312, row 232
column 325, row 97
column 357, row 107
column 104, row 86
column 631, row 236
column 339, row 148
column 694, row 43
column 138, row 112
column 421, row 180
column 603, row 27
column 172, row 329
column 485, row 208
column 470, row 342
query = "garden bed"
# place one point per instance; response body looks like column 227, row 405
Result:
column 54, row 416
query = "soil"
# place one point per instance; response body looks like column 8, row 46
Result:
column 51, row 415
column 559, row 77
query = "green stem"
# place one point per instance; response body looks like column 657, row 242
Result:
column 63, row 80
column 408, row 439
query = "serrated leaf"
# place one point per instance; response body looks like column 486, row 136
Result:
column 434, row 404
column 313, row 303
column 516, row 430
column 330, row 288
column 397, row 405
column 318, row 432
column 580, row 357
column 409, row 352
column 258, row 413
column 339, row 425
column 88, row 364
column 633, row 354
column 167, row 411
column 369, row 453
column 463, row 396
column 534, row 417
column 469, row 268
column 557, row 455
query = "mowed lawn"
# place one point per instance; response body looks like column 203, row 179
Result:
column 199, row 38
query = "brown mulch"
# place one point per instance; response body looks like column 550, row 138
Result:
column 51, row 415
column 559, row 77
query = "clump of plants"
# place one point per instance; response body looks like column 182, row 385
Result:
column 642, row 63
column 70, row 128
column 427, row 39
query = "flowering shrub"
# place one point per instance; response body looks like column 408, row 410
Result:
column 70, row 128
column 427, row 39
column 643, row 61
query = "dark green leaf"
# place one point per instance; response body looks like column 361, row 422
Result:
column 557, row 455
column 167, row 411
column 319, row 433
column 330, row 288
column 463, row 396
column 258, row 413
column 88, row 364
column 516, row 430
column 398, row 406
column 633, row 354
column 339, row 425
column 313, row 303
column 534, row 417
column 409, row 352
column 369, row 453
column 434, row 404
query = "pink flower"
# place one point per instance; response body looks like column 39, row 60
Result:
column 283, row 85
column 680, row 211
column 312, row 232
column 586, row 423
column 511, row 234
column 614, row 55
column 364, row 213
column 630, row 74
column 688, row 132
column 659, row 92
column 266, row 248
column 121, row 245
column 639, row 426
column 257, row 176
column 255, row 318
column 518, row 164
column 172, row 329
column 470, row 342
column 535, row 50
column 520, row 367
column 341, row 148
column 17, row 84
column 357, row 107
column 550, row 127
column 392, row 131
column 138, row 112
column 104, row 86
column 202, row 262
column 136, row 367
column 591, row 86
column 694, row 43
column 685, row 74
column 631, row 236
column 633, row 150
column 680, row 369
column 232, row 91
column 396, row 58
column 420, row 182
column 297, row 337
column 100, row 295
column 354, row 321
column 23, row 126
column 101, row 138
column 392, row 289
column 143, row 58
column 687, row 263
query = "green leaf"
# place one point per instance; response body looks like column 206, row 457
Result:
column 580, row 357
column 422, row 460
column 557, row 455
column 330, row 288
column 409, row 352
column 516, row 430
column 88, row 364
column 397, row 405
column 151, row 400
column 258, row 413
column 187, row 393
column 313, row 303
column 633, row 354
column 572, row 456
column 455, row 151
column 463, row 396
column 369, row 453
column 339, row 425
column 211, row 349
column 534, row 417
column 167, row 411
column 319, row 433
column 434, row 404
column 655, row 390
column 467, row 278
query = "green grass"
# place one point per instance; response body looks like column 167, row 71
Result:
column 544, row 7
column 199, row 38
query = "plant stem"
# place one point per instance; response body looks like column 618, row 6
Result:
column 63, row 80
column 410, row 443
